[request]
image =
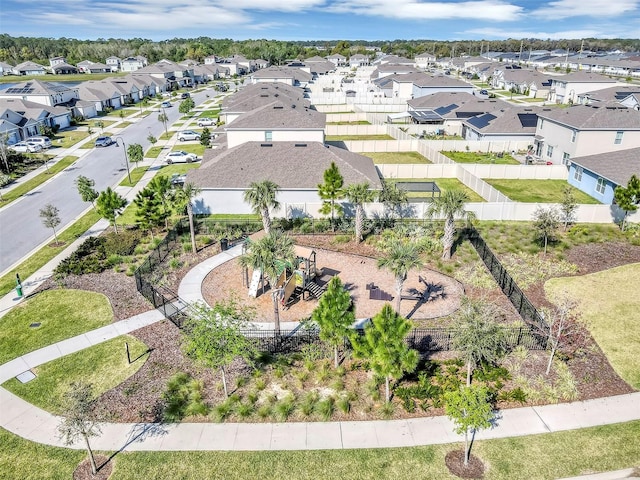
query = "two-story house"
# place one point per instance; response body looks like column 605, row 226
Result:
column 566, row 88
column 337, row 59
column 565, row 133
column 505, row 125
column 424, row 60
column 415, row 85
column 131, row 64
column 44, row 93
column 114, row 63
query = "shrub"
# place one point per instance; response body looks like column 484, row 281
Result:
column 222, row 411
column 326, row 408
column 309, row 403
column 284, row 408
column 245, row 410
column 183, row 398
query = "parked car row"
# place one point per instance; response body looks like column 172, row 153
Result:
column 32, row 145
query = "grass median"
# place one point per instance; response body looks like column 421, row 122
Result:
column 36, row 181
column 46, row 253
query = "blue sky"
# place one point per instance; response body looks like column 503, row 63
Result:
column 323, row 19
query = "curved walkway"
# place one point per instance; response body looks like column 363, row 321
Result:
column 35, row 424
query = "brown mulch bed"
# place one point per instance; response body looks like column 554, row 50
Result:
column 139, row 397
column 83, row 471
column 455, row 463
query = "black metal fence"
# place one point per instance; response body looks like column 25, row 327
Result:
column 516, row 296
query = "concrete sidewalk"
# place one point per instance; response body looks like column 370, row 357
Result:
column 33, row 423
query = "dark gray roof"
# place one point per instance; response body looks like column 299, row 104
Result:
column 292, row 165
column 584, row 77
column 420, row 79
column 448, row 104
column 594, row 117
column 613, row 94
column 259, row 94
column 280, row 115
column 511, row 121
column 616, row 166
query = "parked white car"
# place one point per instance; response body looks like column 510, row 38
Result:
column 188, row 135
column 207, row 122
column 180, row 156
column 44, row 142
column 26, row 147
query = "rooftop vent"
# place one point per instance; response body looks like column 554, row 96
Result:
column 300, row 145
column 278, row 107
column 266, row 144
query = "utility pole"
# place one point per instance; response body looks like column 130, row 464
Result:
column 520, row 55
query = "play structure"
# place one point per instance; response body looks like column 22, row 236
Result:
column 294, row 281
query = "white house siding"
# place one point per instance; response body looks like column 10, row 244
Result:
column 231, row 201
column 239, row 137
column 403, row 89
column 569, row 91
column 286, row 80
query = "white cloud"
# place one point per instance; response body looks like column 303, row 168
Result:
column 497, row 33
column 559, row 9
column 491, row 10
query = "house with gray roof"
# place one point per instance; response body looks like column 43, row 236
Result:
column 14, row 125
column 532, row 83
column 566, row 133
column 44, row 93
column 359, row 60
column 5, row 68
column 419, row 84
column 173, row 74
column 424, row 60
column 388, row 69
column 507, row 124
column 566, row 88
column 29, row 68
column 599, row 175
column 131, row 64
column 113, row 63
column 277, row 121
column 102, row 93
column 293, row 76
column 297, row 167
column 337, row 59
column 257, row 95
column 626, row 95
column 37, row 115
column 63, row 68
column 87, row 66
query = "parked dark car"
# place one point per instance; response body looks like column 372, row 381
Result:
column 103, row 141
column 185, row 95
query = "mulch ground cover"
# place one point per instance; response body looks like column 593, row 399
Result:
column 139, row 397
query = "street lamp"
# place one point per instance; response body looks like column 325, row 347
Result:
column 126, row 159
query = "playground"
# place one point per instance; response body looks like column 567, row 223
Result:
column 426, row 294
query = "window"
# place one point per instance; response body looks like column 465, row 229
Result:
column 268, row 136
column 577, row 175
column 600, row 186
column 573, row 136
column 566, row 158
column 549, row 151
column 618, row 138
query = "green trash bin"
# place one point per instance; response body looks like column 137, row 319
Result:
column 19, row 290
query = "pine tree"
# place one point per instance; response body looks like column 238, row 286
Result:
column 334, row 315
column 384, row 348
column 85, row 189
column 109, row 205
column 150, row 212
column 330, row 192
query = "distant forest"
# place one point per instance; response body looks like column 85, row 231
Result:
column 15, row 50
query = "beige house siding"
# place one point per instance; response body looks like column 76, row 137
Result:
column 239, row 137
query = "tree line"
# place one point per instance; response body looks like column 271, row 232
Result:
column 15, row 50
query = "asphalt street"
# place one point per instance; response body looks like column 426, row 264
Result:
column 21, row 228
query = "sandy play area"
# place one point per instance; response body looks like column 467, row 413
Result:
column 355, row 272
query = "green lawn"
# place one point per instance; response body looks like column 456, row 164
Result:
column 125, row 124
column 36, row 181
column 153, row 152
column 210, row 113
column 443, row 184
column 136, row 175
column 478, row 157
column 69, row 138
column 609, row 304
column 396, row 157
column 104, row 366
column 538, row 191
column 42, row 256
column 196, row 148
column 536, row 457
column 62, row 314
column 346, row 138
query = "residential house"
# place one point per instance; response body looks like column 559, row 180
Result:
column 318, row 66
column 580, row 130
column 566, row 88
column 504, row 125
column 297, row 167
column 132, row 64
column 29, row 68
column 102, row 93
column 114, row 63
column 64, row 69
column 243, row 65
column 598, row 175
column 190, row 63
column 531, row 83
column 205, row 73
column 36, row 115
column 261, row 63
column 337, row 59
column 388, row 69
column 173, row 75
column 277, row 121
column 211, row 59
column 44, row 93
column 359, row 60
column 393, row 59
column 292, row 76
column 415, row 85
column 5, row 68
column 626, row 95
column 57, row 61
column 424, row 60
column 14, row 126
column 254, row 96
column 87, row 66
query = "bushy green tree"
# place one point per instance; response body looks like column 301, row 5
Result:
column 150, row 212
column 330, row 192
column 628, row 198
column 568, row 206
column 469, row 408
column 186, row 105
column 392, row 197
column 334, row 315
column 213, row 336
column 205, row 137
column 384, row 348
column 135, row 153
column 85, row 189
column 478, row 338
column 546, row 222
column 109, row 205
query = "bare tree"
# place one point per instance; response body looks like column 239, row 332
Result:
column 50, row 218
column 562, row 326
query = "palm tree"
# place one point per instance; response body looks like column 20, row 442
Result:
column 450, row 205
column 358, row 194
column 262, row 196
column 270, row 254
column 400, row 258
column 182, row 199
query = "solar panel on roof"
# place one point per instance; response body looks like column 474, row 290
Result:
column 528, row 119
column 481, row 121
column 446, row 109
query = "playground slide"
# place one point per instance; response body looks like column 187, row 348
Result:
column 289, row 287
